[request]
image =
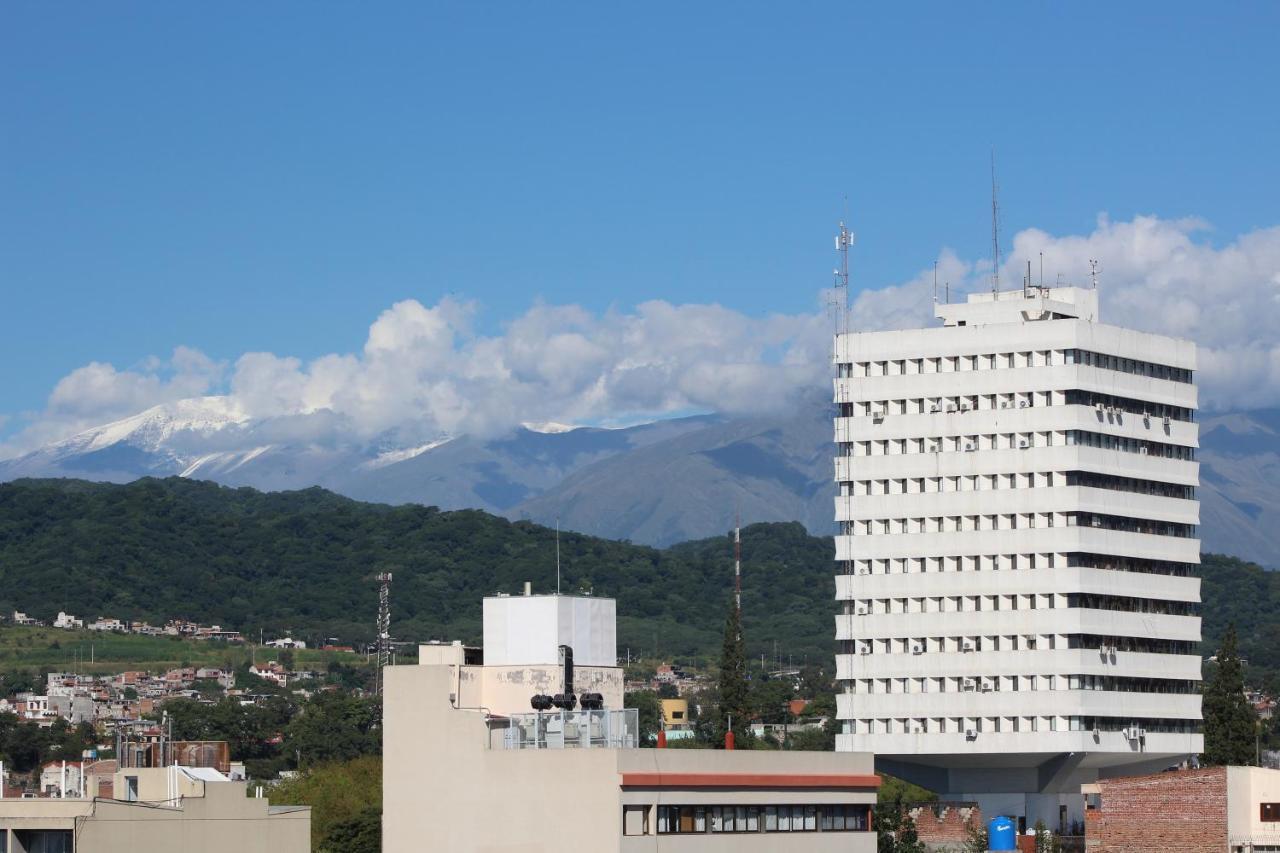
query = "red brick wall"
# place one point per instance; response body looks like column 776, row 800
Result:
column 944, row 823
column 1179, row 812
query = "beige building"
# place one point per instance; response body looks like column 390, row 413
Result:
column 160, row 810
column 468, row 766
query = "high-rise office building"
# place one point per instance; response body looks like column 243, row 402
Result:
column 1017, row 551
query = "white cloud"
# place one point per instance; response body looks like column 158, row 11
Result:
column 423, row 371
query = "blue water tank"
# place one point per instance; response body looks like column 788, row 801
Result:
column 1002, row 834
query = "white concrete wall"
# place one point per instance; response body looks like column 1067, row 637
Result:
column 529, row 629
column 1247, row 788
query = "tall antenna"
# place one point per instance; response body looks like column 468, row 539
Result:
column 844, row 239
column 995, row 228
column 1093, row 272
column 935, row 282
column 384, row 628
column 557, row 555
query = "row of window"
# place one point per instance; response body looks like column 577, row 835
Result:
column 1006, row 360
column 1018, row 601
column 1127, row 365
column 1108, row 407
column 1104, row 645
column 973, row 726
column 1014, row 521
column 1015, row 562
column 1017, row 480
column 1015, row 441
column 1017, row 684
column 831, row 817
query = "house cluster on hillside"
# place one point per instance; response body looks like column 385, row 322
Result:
column 126, row 699
column 172, row 628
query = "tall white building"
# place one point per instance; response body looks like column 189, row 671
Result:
column 1017, row 551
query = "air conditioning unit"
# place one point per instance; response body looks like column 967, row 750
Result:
column 1100, row 407
column 1022, row 404
column 1166, row 420
column 933, row 410
column 1134, row 733
column 865, row 650
column 964, row 407
column 866, row 570
column 969, row 685
column 950, row 409
column 1005, row 404
column 1097, row 733
column 862, row 611
column 917, row 729
column 970, row 734
column 935, row 448
column 987, row 686
column 1143, row 450
column 877, row 417
column 1023, row 444
column 966, row 646
column 969, row 448
column 917, row 649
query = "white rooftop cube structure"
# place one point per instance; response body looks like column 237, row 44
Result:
column 1017, row 550
column 529, row 630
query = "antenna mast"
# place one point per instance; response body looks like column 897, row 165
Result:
column 995, row 228
column 384, row 627
column 844, row 239
column 557, row 555
column 1093, row 272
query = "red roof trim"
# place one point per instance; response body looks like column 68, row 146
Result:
column 750, row 780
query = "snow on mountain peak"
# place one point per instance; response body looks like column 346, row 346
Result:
column 151, row 428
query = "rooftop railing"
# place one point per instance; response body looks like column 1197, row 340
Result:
column 573, row 730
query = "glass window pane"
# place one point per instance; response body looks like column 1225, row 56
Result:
column 741, row 824
column 770, row 818
column 784, row 818
column 662, row 820
column 686, row 819
column 811, row 818
column 700, row 819
column 753, row 818
column 717, row 820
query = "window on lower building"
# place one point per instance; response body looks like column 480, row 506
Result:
column 830, row 817
column 1269, row 812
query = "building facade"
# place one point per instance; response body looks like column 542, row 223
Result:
column 469, row 766
column 1017, row 551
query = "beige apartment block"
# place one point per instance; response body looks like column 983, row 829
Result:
column 468, row 766
column 162, row 810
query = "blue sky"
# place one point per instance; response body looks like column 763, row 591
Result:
column 272, row 176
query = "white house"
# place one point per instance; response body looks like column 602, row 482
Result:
column 67, row 621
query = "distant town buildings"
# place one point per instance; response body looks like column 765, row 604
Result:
column 1017, row 551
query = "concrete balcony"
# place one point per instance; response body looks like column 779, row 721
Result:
column 1074, row 620
column 1043, row 703
column 1035, row 540
column 996, row 501
column 956, row 748
column 1021, row 582
column 1031, row 460
column 1062, row 377
column 1026, row 662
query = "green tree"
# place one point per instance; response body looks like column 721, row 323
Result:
column 896, row 829
column 333, row 727
column 1230, row 723
column 650, row 713
column 346, row 804
column 734, row 691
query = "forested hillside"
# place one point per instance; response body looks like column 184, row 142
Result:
column 157, row 549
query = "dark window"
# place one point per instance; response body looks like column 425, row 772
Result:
column 832, row 817
column 1270, row 812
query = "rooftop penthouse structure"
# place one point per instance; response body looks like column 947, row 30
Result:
column 1017, row 550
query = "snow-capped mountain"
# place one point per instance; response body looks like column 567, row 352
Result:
column 657, row 483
